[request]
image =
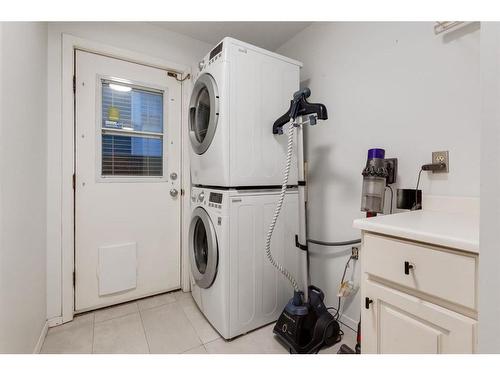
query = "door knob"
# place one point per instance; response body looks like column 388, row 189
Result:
column 174, row 192
column 173, row 176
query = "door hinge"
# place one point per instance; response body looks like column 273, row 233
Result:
column 182, row 192
column 74, row 279
column 74, row 181
column 74, row 84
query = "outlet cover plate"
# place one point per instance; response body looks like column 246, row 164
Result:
column 441, row 157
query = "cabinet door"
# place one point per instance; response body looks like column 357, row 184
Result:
column 397, row 323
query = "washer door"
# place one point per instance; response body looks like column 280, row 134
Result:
column 203, row 113
column 203, row 248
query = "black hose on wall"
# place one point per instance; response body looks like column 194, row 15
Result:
column 339, row 243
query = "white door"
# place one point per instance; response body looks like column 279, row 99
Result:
column 127, row 206
column 393, row 322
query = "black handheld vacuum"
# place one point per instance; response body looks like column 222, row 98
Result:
column 305, row 325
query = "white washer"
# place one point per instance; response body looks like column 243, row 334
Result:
column 233, row 283
column 238, row 94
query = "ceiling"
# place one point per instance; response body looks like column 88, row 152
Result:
column 268, row 35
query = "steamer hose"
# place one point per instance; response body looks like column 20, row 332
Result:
column 277, row 211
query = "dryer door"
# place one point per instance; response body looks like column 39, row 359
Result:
column 203, row 248
column 203, row 113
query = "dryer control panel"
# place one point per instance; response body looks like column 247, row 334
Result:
column 214, row 55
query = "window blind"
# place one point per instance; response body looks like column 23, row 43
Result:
column 132, row 131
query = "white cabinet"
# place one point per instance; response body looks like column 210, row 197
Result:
column 397, row 322
column 417, row 298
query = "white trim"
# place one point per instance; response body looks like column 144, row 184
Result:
column 69, row 44
column 186, row 187
column 349, row 322
column 41, row 339
column 54, row 322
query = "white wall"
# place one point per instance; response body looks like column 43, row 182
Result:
column 23, row 157
column 391, row 85
column 489, row 277
column 139, row 37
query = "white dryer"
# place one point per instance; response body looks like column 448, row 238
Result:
column 233, row 283
column 239, row 92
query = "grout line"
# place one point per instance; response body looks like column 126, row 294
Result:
column 118, row 316
column 204, row 345
column 93, row 334
column 136, row 301
column 157, row 306
column 185, row 351
column 192, row 326
column 144, row 330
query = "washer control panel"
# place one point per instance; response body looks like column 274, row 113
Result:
column 215, row 200
column 198, row 197
column 201, row 196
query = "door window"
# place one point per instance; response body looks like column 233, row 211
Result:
column 202, row 118
column 203, row 248
column 200, row 246
column 203, row 113
column 132, row 131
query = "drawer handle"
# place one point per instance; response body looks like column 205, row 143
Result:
column 408, row 267
column 368, row 301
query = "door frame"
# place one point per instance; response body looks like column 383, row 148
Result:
column 70, row 44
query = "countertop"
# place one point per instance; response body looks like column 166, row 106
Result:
column 455, row 230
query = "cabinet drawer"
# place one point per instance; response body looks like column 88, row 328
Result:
column 445, row 274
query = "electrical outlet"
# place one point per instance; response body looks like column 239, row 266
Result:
column 441, row 157
column 355, row 252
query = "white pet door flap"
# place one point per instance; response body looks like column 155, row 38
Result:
column 117, row 268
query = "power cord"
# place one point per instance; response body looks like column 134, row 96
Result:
column 392, row 196
column 337, row 315
column 417, row 205
column 433, row 167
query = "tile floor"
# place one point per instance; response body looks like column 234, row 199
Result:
column 167, row 323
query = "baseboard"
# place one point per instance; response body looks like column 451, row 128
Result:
column 56, row 321
column 41, row 339
column 353, row 324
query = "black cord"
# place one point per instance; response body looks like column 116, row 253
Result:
column 348, row 326
column 392, row 195
column 417, row 205
column 338, row 339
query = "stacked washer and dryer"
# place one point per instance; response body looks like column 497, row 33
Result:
column 236, row 175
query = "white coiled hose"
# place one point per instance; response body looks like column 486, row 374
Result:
column 277, row 211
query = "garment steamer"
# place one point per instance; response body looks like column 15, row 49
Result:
column 305, row 325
